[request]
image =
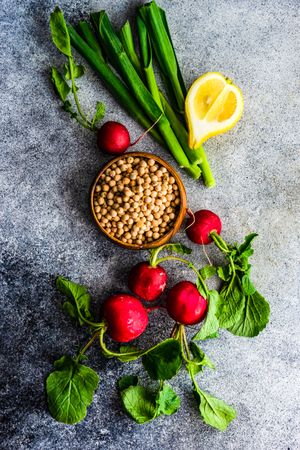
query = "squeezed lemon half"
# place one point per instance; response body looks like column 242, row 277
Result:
column 213, row 105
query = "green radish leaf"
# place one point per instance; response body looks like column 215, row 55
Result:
column 213, row 336
column 61, row 86
column 70, row 389
column 78, row 70
column 164, row 360
column 139, row 403
column 253, row 317
column 200, row 287
column 99, row 114
column 126, row 381
column 214, row 412
column 178, row 248
column 130, row 353
column 68, row 108
column 224, row 272
column 245, row 247
column 60, row 34
column 200, row 360
column 207, row 272
column 231, row 303
column 78, row 306
column 247, row 285
column 167, row 401
column 211, row 323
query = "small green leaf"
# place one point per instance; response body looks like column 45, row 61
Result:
column 68, row 108
column 78, row 70
column 211, row 323
column 231, row 304
column 126, row 381
column 167, row 401
column 213, row 336
column 70, row 389
column 70, row 309
column 199, row 285
column 200, row 360
column 247, row 285
column 139, row 403
column 61, row 86
column 207, row 272
column 164, row 361
column 178, row 248
column 245, row 247
column 224, row 272
column 79, row 298
column 99, row 114
column 214, row 412
column 130, row 353
column 60, row 34
column 253, row 317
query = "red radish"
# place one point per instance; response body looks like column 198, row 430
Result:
column 185, row 304
column 201, row 224
column 113, row 138
column 125, row 316
column 146, row 281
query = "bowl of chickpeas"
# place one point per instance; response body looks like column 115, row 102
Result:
column 138, row 200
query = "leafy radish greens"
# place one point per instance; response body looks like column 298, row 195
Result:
column 238, row 307
column 71, row 71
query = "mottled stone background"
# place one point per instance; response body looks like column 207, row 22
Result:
column 47, row 165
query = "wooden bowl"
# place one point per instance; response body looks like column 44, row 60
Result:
column 182, row 206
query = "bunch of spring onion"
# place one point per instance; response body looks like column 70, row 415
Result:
column 130, row 77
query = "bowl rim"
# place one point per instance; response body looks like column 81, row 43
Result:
column 182, row 207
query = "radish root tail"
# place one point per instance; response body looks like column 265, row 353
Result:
column 146, row 132
column 191, row 214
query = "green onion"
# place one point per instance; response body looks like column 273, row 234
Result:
column 126, row 38
column 121, row 62
column 113, row 83
column 86, row 31
column 146, row 59
column 164, row 51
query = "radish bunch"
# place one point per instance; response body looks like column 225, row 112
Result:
column 237, row 307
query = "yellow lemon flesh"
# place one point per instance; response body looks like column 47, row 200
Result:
column 213, row 105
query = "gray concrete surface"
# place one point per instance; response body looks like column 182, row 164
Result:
column 47, row 165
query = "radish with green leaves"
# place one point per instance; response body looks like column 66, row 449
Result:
column 113, row 138
column 185, row 304
column 201, row 224
column 125, row 316
column 148, row 279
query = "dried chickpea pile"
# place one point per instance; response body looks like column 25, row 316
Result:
column 136, row 200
